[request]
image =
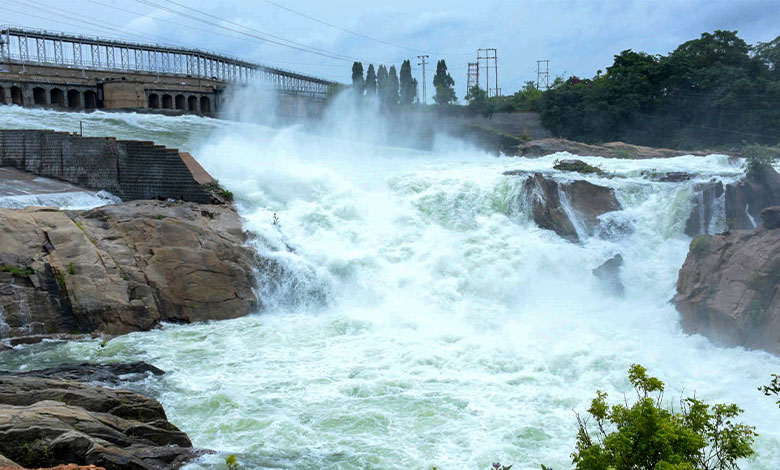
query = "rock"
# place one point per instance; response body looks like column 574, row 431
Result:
column 542, row 147
column 771, row 217
column 577, row 166
column 728, row 289
column 46, row 422
column 570, row 209
column 122, row 268
column 705, row 204
column 608, row 273
column 8, row 464
column 673, row 177
column 109, row 374
column 746, row 199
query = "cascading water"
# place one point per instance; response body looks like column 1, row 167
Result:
column 422, row 318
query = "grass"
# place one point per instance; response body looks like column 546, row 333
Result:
column 219, row 190
column 71, row 269
column 17, row 271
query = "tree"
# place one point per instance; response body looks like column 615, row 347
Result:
column 358, row 84
column 381, row 82
column 371, row 81
column 391, row 88
column 649, row 436
column 444, row 84
column 773, row 388
column 408, row 84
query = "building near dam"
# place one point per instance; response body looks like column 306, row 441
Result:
column 56, row 70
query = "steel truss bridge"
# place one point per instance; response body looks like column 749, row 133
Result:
column 28, row 46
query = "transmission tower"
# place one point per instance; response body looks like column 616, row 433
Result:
column 489, row 54
column 423, row 62
column 543, row 74
column 472, row 79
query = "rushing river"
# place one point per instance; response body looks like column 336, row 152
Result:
column 425, row 320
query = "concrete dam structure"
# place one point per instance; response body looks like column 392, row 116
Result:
column 48, row 69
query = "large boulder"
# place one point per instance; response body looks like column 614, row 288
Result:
column 571, row 209
column 608, row 275
column 728, row 289
column 104, row 374
column 122, row 268
column 746, row 199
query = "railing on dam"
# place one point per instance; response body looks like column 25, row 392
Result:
column 81, row 52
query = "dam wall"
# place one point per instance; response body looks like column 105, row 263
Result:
column 126, row 168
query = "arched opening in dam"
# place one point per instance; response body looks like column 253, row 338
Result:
column 90, row 99
column 2, row 96
column 16, row 96
column 205, row 104
column 192, row 103
column 74, row 99
column 57, row 97
column 167, row 102
column 180, row 102
column 154, row 101
column 39, row 96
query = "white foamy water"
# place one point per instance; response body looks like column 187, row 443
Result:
column 424, row 320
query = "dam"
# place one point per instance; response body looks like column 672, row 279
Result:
column 57, row 70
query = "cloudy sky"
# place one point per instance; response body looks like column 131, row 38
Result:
column 579, row 37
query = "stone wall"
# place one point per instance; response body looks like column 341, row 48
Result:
column 127, row 169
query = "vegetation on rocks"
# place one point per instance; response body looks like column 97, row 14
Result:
column 578, row 166
column 700, row 244
column 16, row 271
column 759, row 160
column 648, row 435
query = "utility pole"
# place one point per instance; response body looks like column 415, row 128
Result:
column 490, row 54
column 423, row 62
column 472, row 79
column 543, row 74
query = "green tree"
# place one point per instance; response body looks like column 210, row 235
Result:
column 407, row 83
column 768, row 53
column 444, row 84
column 371, row 80
column 391, row 88
column 358, row 84
column 381, row 82
column 773, row 389
column 649, row 436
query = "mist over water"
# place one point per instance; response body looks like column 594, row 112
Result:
column 423, row 318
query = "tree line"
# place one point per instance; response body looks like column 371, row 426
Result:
column 393, row 88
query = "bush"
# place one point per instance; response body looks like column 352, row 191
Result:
column 17, row 271
column 758, row 160
column 577, row 165
column 773, row 388
column 649, row 436
column 700, row 245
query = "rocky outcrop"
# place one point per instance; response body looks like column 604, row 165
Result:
column 706, row 201
column 103, row 374
column 122, row 268
column 46, row 422
column 746, row 199
column 608, row 275
column 542, row 147
column 729, row 288
column 571, row 210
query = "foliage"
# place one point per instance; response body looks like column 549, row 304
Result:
column 444, row 84
column 214, row 187
column 713, row 90
column 391, row 88
column 407, row 83
column 773, row 388
column 371, row 80
column 232, row 463
column 526, row 99
column 498, row 466
column 61, row 281
column 16, row 271
column 381, row 81
column 358, row 84
column 71, row 269
column 648, row 436
column 759, row 160
column 700, row 244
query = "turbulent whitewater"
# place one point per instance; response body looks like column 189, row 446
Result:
column 425, row 320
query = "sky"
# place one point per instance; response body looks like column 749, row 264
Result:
column 578, row 37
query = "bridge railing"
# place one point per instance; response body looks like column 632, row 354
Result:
column 29, row 46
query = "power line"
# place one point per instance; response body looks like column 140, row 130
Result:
column 356, row 33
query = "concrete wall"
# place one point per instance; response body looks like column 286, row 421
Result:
column 128, row 169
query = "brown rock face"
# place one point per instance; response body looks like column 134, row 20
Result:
column 746, row 199
column 702, row 213
column 559, row 207
column 729, row 289
column 122, row 268
column 46, row 422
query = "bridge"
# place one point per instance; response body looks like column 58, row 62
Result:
column 51, row 69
